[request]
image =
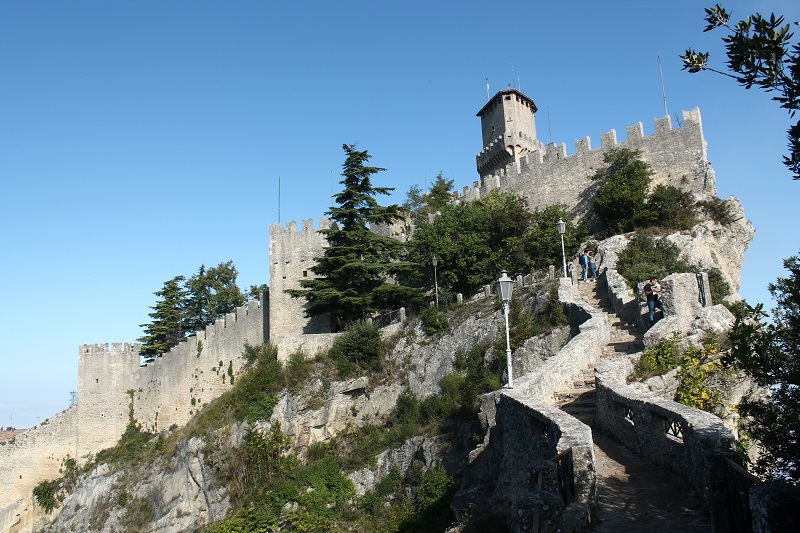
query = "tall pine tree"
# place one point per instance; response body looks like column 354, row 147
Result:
column 357, row 274
column 167, row 328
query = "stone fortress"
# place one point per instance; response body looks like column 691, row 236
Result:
column 168, row 391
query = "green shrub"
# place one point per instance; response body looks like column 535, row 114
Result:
column 45, row 493
column 623, row 188
column 696, row 366
column 358, row 349
column 669, row 208
column 659, row 358
column 717, row 210
column 433, row 321
column 719, row 287
column 646, row 256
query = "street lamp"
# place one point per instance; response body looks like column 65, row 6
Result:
column 562, row 227
column 435, row 280
column 504, row 286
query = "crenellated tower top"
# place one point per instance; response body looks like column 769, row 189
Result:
column 508, row 126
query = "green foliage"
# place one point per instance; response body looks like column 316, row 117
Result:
column 769, row 352
column 668, row 208
column 358, row 349
column 49, row 494
column 210, row 294
column 167, row 328
column 45, row 493
column 646, row 256
column 717, row 210
column 760, row 52
column 696, row 366
column 719, row 287
column 255, row 291
column 524, row 323
column 472, row 240
column 186, row 306
column 134, row 446
column 354, row 277
column 475, row 240
column 542, row 242
column 437, row 198
column 659, row 358
column 622, row 189
column 252, row 397
column 433, row 321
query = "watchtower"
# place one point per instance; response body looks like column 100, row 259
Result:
column 509, row 130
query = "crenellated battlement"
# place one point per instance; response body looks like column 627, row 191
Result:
column 305, row 226
column 113, row 348
column 549, row 175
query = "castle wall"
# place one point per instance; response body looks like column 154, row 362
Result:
column 33, row 456
column 677, row 156
column 105, row 375
column 170, row 389
column 292, row 254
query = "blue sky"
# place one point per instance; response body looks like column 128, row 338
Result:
column 139, row 140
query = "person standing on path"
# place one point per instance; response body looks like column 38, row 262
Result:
column 585, row 263
column 592, row 265
column 652, row 291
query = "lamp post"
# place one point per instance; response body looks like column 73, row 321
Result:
column 435, row 280
column 562, row 227
column 504, row 286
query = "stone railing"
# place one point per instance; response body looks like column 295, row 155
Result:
column 584, row 349
column 688, row 441
column 524, row 433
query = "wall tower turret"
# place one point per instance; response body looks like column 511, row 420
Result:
column 508, row 126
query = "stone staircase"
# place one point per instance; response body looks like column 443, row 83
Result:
column 633, row 495
column 579, row 400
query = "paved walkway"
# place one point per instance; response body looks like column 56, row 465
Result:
column 634, row 495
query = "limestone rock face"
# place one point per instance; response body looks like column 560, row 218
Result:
column 322, row 410
column 431, row 358
column 427, row 451
column 179, row 495
column 709, row 244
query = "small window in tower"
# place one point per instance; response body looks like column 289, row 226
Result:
column 508, row 97
column 305, row 273
column 97, row 381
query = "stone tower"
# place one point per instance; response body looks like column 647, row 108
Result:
column 509, row 130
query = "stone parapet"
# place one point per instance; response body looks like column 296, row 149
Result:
column 548, row 175
column 686, row 440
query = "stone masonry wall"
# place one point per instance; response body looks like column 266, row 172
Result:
column 31, row 457
column 105, row 375
column 292, row 255
column 163, row 394
column 172, row 388
column 545, row 177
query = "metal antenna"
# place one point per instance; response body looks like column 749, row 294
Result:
column 549, row 131
column 279, row 199
column 487, row 89
column 663, row 91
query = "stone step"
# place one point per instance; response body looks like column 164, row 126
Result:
column 579, row 409
column 568, row 396
column 626, row 346
column 585, row 383
column 587, row 418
